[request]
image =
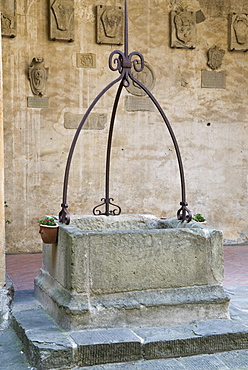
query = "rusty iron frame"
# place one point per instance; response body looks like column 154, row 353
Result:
column 122, row 62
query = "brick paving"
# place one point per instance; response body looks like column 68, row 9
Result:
column 22, row 269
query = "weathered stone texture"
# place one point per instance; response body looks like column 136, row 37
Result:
column 210, row 124
column 132, row 270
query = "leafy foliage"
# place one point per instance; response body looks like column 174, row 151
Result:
column 198, row 217
column 49, row 221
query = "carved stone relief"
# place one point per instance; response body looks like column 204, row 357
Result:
column 146, row 77
column 8, row 17
column 86, row 60
column 62, row 20
column 238, row 32
column 215, row 56
column 183, row 29
column 110, row 23
column 38, row 75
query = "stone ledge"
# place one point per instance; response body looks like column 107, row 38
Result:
column 47, row 346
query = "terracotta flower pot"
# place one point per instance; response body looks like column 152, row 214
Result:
column 49, row 234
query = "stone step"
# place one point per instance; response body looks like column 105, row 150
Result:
column 47, row 346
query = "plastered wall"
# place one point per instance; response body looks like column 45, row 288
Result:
column 210, row 123
column 2, row 217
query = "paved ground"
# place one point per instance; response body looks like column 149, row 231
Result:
column 23, row 268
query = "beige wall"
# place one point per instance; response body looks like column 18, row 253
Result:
column 145, row 176
column 2, row 217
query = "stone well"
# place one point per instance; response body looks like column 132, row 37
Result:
column 132, row 271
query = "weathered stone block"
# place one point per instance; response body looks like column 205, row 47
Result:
column 108, row 345
column 132, row 270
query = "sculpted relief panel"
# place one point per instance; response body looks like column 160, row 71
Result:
column 238, row 31
column 183, row 29
column 110, row 24
column 38, row 75
column 8, row 17
column 62, row 20
column 215, row 56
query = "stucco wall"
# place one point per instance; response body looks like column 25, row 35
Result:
column 2, row 217
column 210, row 124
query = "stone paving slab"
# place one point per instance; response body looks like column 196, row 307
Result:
column 47, row 346
column 234, row 360
column 11, row 353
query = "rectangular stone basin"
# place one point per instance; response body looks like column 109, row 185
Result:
column 132, row 271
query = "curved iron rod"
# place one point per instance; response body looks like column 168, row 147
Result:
column 64, row 215
column 109, row 146
column 173, row 137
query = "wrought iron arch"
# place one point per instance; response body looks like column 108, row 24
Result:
column 122, row 62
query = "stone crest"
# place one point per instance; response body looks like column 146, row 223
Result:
column 146, row 77
column 238, row 31
column 38, row 75
column 183, row 29
column 86, row 60
column 110, row 24
column 8, row 17
column 215, row 56
column 62, row 20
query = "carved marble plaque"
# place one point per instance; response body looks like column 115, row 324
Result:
column 38, row 102
column 146, row 77
column 95, row 121
column 38, row 75
column 86, row 60
column 183, row 29
column 213, row 79
column 238, row 31
column 135, row 103
column 62, row 20
column 215, row 56
column 8, row 17
column 110, row 24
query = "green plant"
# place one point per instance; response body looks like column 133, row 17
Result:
column 198, row 217
column 49, row 221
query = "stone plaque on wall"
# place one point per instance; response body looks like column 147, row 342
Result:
column 135, row 103
column 213, row 79
column 95, row 121
column 146, row 77
column 8, row 17
column 86, row 60
column 110, row 24
column 183, row 29
column 62, row 20
column 38, row 102
column 238, row 31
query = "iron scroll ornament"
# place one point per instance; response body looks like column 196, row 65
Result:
column 123, row 63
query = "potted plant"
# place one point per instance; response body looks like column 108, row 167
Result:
column 199, row 218
column 48, row 230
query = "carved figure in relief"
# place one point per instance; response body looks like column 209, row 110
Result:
column 111, row 19
column 63, row 11
column 240, row 26
column 38, row 75
column 215, row 56
column 185, row 26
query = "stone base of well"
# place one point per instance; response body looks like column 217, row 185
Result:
column 132, row 271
